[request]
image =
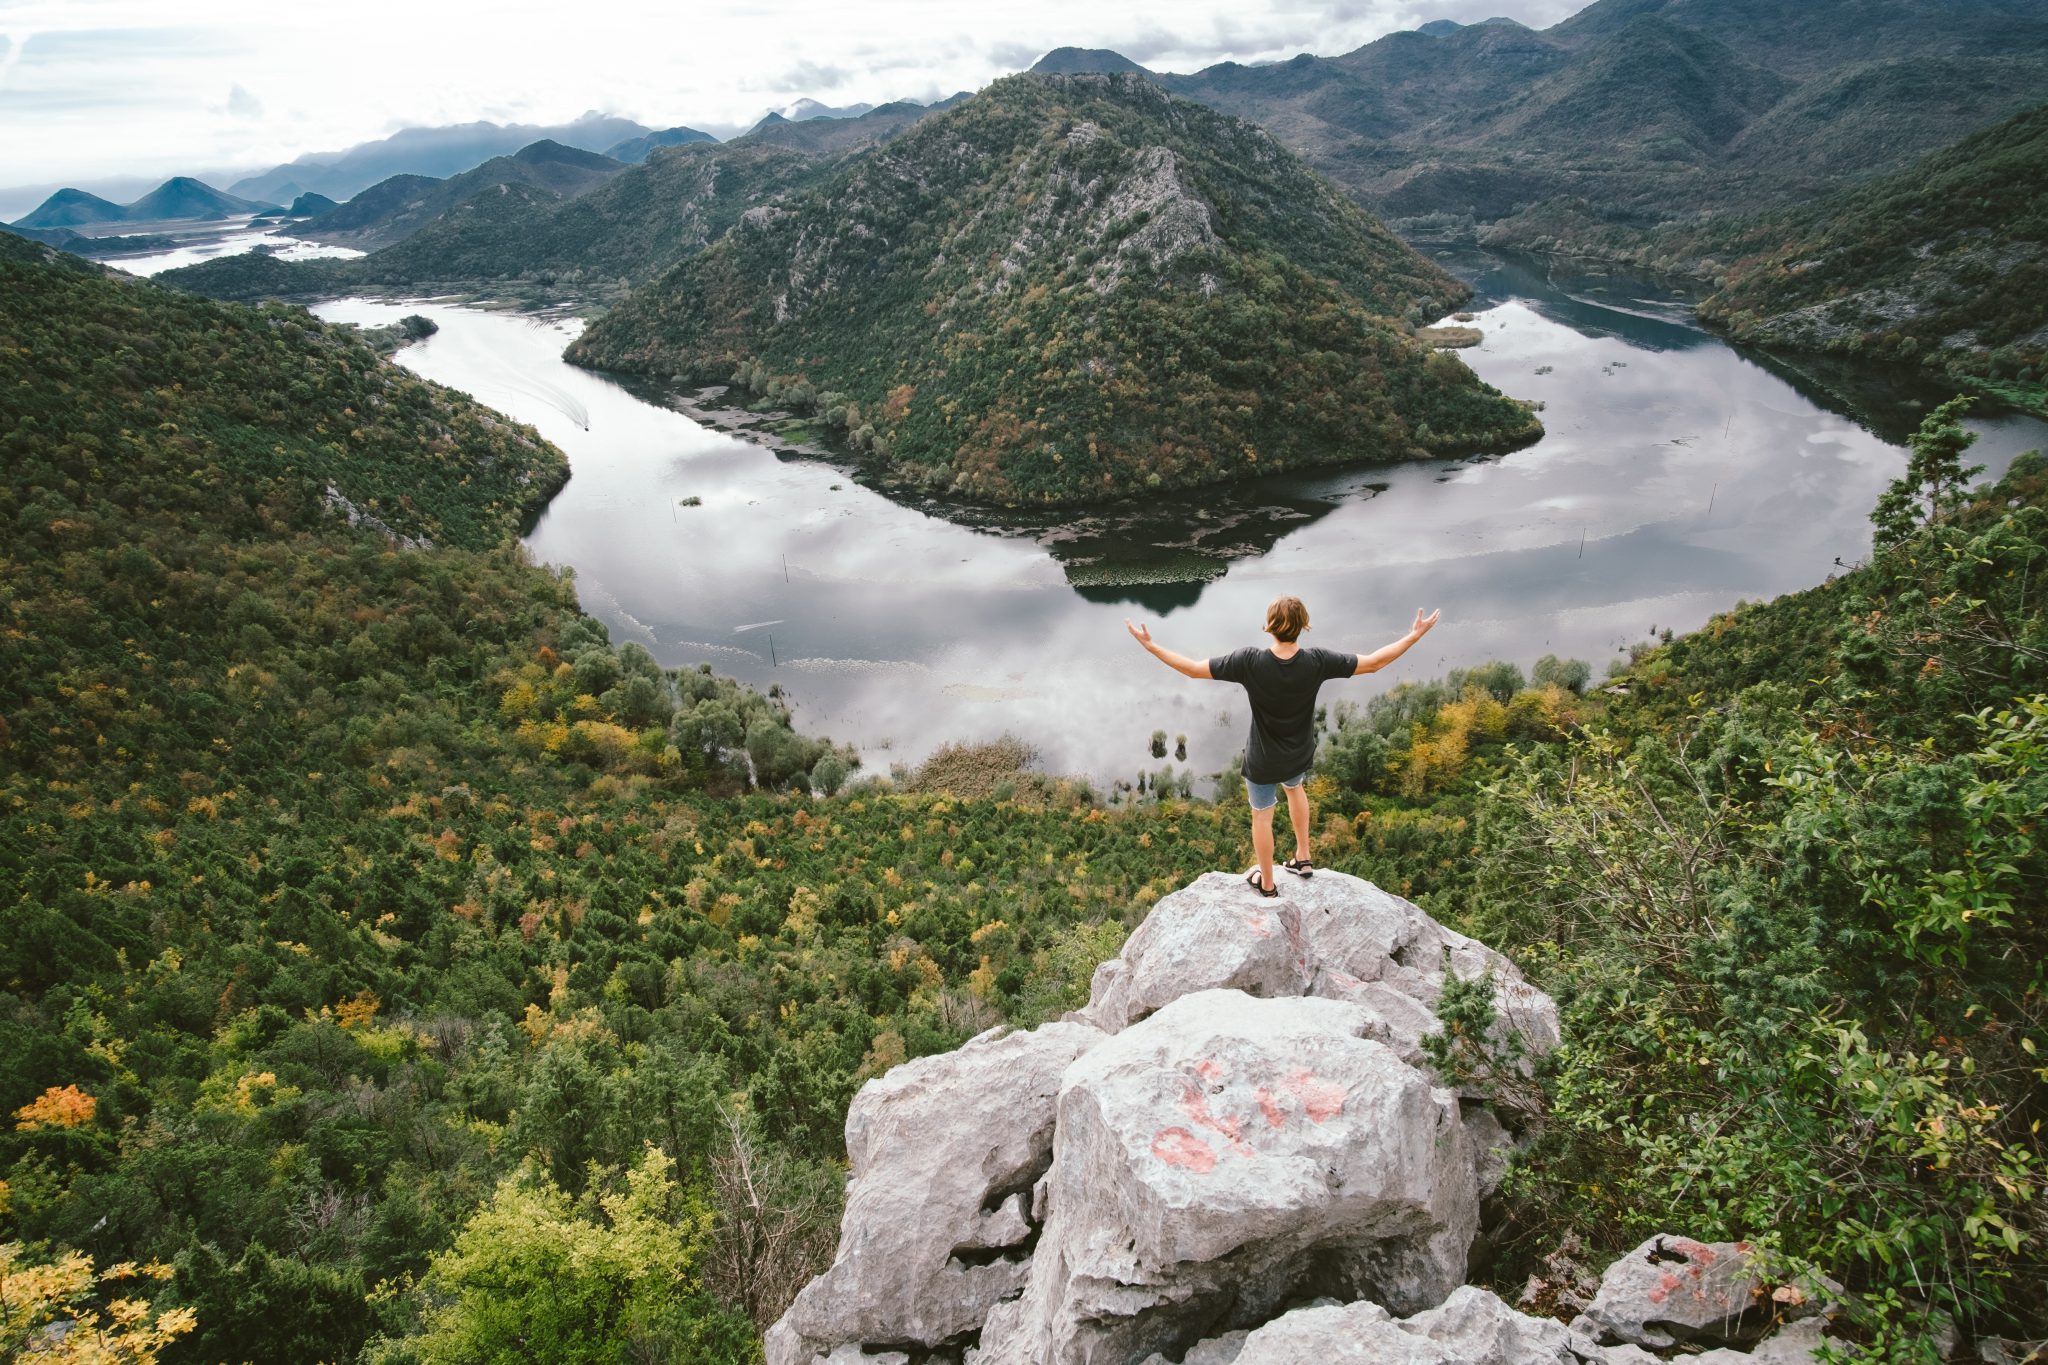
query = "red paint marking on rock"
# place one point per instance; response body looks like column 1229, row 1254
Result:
column 1209, row 1070
column 1270, row 1107
column 1197, row 1106
column 1179, row 1147
column 1323, row 1099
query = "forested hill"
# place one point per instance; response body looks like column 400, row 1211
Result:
column 1943, row 264
column 1072, row 287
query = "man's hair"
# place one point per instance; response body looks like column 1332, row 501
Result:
column 1286, row 618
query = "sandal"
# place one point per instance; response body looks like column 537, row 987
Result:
column 1257, row 883
column 1300, row 867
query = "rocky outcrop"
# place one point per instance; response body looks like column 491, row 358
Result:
column 1236, row 1154
column 1240, row 1123
column 1673, row 1289
column 1333, row 936
column 1223, row 1159
column 944, row 1153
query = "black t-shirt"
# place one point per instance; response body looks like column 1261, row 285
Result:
column 1283, row 693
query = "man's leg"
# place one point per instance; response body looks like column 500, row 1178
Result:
column 1262, row 843
column 1297, row 816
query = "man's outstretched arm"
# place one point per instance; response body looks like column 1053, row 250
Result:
column 1386, row 654
column 1180, row 663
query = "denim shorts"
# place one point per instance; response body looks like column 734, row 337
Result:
column 1266, row 795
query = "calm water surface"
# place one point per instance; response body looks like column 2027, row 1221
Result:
column 204, row 244
column 1678, row 477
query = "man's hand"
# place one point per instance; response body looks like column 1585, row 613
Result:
column 1179, row 663
column 1386, row 654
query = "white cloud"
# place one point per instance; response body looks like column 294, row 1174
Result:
column 109, row 87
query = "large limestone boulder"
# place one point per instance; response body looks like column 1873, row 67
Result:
column 1227, row 1155
column 1239, row 1123
column 944, row 1152
column 1472, row 1327
column 1673, row 1289
column 1334, row 936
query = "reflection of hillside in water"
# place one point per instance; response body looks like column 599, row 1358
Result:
column 1647, row 314
column 1161, row 553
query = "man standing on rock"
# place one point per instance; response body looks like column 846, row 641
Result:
column 1282, row 680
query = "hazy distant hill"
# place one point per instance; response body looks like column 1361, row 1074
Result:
column 179, row 198
column 434, row 152
column 518, row 236
column 839, row 136
column 1075, row 61
column 1073, row 287
column 634, row 150
column 182, row 197
column 395, row 209
column 71, row 208
column 808, row 108
column 627, row 231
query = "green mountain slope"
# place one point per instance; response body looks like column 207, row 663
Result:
column 271, row 405
column 560, row 223
column 1072, row 287
column 1945, row 262
column 1653, row 91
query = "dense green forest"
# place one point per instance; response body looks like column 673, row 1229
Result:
column 1071, row 288
column 393, row 970
column 1943, row 264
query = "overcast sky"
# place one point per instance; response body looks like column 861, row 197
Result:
column 92, row 89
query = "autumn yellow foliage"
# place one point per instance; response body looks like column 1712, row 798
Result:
column 61, row 1295
column 58, row 1107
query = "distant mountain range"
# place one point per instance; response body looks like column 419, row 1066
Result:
column 1645, row 109
column 617, row 228
column 179, row 198
column 433, row 152
column 394, row 209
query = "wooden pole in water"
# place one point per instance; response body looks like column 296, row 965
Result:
column 773, row 662
column 785, row 568
column 1712, row 495
column 1582, row 542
